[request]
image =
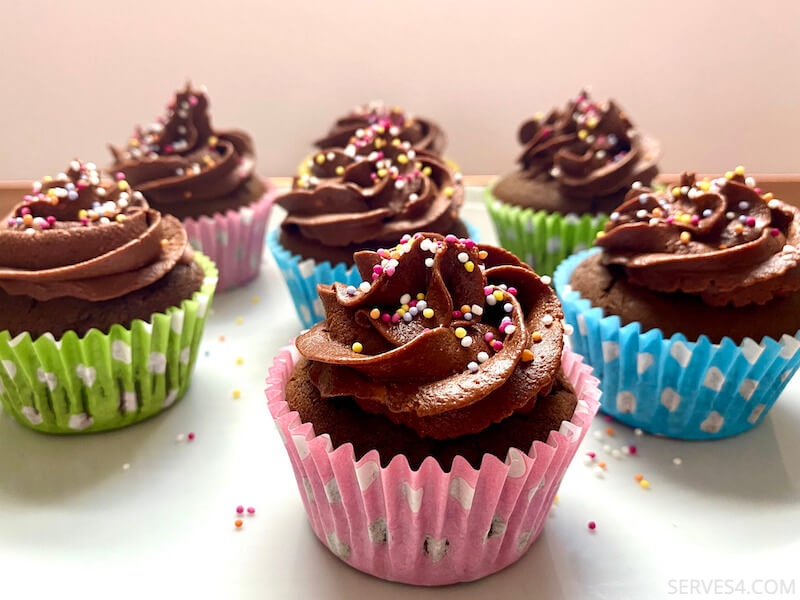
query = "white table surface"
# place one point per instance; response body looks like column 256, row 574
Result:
column 136, row 513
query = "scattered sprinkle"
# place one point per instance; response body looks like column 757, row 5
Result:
column 237, row 394
column 677, row 461
column 238, row 523
column 591, row 525
column 239, row 360
column 190, row 436
column 239, row 509
column 126, row 466
column 239, row 320
column 645, row 484
column 179, row 437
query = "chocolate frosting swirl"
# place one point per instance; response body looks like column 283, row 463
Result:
column 444, row 336
column 184, row 167
column 74, row 236
column 373, row 198
column 423, row 134
column 588, row 149
column 722, row 239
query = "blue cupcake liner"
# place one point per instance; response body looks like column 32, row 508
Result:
column 680, row 388
column 302, row 276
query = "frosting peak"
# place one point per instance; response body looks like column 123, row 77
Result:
column 183, row 166
column 394, row 122
column 724, row 239
column 588, row 148
column 443, row 335
column 75, row 236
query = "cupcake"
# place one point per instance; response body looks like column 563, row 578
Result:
column 103, row 305
column 204, row 178
column 430, row 418
column 576, row 166
column 363, row 196
column 421, row 133
column 689, row 310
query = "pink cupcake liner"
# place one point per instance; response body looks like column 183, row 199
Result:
column 428, row 527
column 235, row 240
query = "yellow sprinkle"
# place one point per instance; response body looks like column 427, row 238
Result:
column 676, row 192
column 527, row 355
column 375, row 313
column 498, row 295
column 645, row 484
column 685, row 218
column 704, row 185
column 729, row 175
column 402, row 158
column 239, row 320
column 739, row 170
column 427, row 313
column 212, row 140
column 82, row 214
column 123, row 185
column 379, row 143
column 460, row 332
column 685, row 237
column 600, row 234
column 380, row 129
column 555, row 500
column 536, row 336
column 396, row 142
column 237, row 394
column 382, row 172
column 119, row 218
column 738, row 228
column 768, row 196
column 469, row 266
column 255, row 299
column 47, row 179
column 583, row 134
column 426, row 171
column 133, row 142
column 448, row 191
column 51, row 192
column 421, row 296
column 340, row 170
column 401, row 312
column 358, row 347
column 320, row 158
column 239, row 361
column 591, row 122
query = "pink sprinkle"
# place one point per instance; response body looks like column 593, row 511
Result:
column 591, row 525
column 469, row 244
column 395, row 318
column 251, row 510
column 487, row 290
column 751, row 222
column 670, row 220
column 377, row 269
column 239, row 509
column 632, row 449
column 497, row 345
column 757, row 190
column 694, row 220
column 190, row 436
column 450, row 238
column 119, row 175
column 386, row 317
column 81, row 184
column 50, row 219
column 405, row 238
column 591, row 454
column 375, row 276
column 775, row 232
column 168, row 148
column 502, row 327
column 193, row 100
column 512, row 291
column 488, row 336
column 457, row 314
column 24, row 210
column 413, row 303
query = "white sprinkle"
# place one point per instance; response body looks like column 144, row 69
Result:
column 330, row 156
column 413, row 311
column 607, row 448
column 483, row 357
column 625, row 450
column 411, row 154
column 405, row 298
column 638, row 432
column 546, row 279
column 547, row 320
column 677, row 461
column 463, row 257
column 467, row 316
column 508, row 307
column 407, row 317
column 588, row 460
column 429, row 262
column 510, row 329
column 599, row 472
column 568, row 329
column 413, row 197
column 774, row 203
column 491, row 300
column 399, row 184
column 179, row 437
column 364, row 286
column 473, row 366
column 750, row 182
column 476, row 310
column 641, row 214
column 425, row 244
column 422, row 305
column 616, row 454
column 466, row 341
column 126, row 466
column 685, row 190
column 598, row 435
column 636, row 185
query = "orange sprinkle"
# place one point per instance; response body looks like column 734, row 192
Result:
column 238, row 523
column 638, row 477
column 610, row 432
column 536, row 336
column 222, row 338
column 602, row 464
column 527, row 355
column 482, row 254
column 164, row 243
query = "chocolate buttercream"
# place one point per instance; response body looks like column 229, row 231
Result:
column 722, row 239
column 73, row 236
column 352, row 199
column 186, row 168
column 444, row 336
column 579, row 159
column 394, row 122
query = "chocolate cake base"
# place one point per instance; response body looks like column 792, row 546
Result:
column 296, row 243
column 23, row 313
column 607, row 288
column 517, row 189
column 345, row 422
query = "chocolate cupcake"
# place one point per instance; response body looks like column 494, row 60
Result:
column 363, row 196
column 103, row 305
column 204, row 177
column 442, row 375
column 576, row 166
column 691, row 310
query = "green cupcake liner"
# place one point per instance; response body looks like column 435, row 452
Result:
column 540, row 238
column 105, row 381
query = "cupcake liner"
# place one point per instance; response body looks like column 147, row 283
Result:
column 671, row 386
column 428, row 527
column 233, row 241
column 302, row 276
column 104, row 381
column 540, row 238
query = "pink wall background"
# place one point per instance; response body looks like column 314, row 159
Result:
column 716, row 83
